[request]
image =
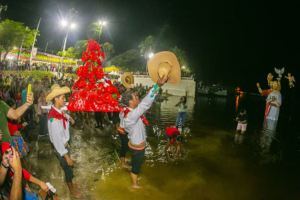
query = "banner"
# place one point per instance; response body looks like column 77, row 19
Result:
column 34, row 51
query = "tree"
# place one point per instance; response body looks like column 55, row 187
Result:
column 130, row 60
column 147, row 46
column 181, row 56
column 93, row 31
column 14, row 34
column 70, row 53
column 80, row 47
column 108, row 50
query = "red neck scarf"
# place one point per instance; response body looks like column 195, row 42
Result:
column 60, row 116
column 142, row 117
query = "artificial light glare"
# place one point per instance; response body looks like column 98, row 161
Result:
column 73, row 25
column 64, row 23
column 104, row 23
column 150, row 55
column 183, row 67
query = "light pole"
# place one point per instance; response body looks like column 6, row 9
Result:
column 46, row 47
column 101, row 23
column 149, row 57
column 65, row 24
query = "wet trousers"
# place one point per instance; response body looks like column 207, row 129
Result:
column 137, row 158
column 181, row 116
column 124, row 145
column 67, row 168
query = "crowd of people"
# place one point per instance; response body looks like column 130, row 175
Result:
column 36, row 66
column 28, row 113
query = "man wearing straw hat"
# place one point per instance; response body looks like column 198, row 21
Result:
column 162, row 67
column 58, row 127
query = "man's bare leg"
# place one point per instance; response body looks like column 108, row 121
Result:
column 123, row 165
column 74, row 193
column 134, row 180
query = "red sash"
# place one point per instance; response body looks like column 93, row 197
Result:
column 54, row 114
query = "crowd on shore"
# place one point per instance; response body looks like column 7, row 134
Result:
column 36, row 66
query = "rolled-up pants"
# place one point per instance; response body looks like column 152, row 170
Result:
column 137, row 158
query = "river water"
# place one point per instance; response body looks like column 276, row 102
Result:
column 215, row 161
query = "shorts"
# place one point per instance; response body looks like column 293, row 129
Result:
column 137, row 158
column 241, row 126
column 116, row 118
column 167, row 136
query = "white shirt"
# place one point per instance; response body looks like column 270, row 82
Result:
column 59, row 136
column 133, row 124
column 181, row 107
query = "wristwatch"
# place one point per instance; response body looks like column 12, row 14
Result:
column 4, row 166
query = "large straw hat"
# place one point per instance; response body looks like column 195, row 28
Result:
column 56, row 90
column 127, row 79
column 164, row 63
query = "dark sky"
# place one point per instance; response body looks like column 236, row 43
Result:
column 230, row 41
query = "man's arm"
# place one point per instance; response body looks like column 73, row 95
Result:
column 16, row 114
column 15, row 163
column 135, row 115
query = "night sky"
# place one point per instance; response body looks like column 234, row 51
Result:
column 235, row 42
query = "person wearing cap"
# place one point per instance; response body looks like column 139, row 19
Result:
column 7, row 112
column 173, row 137
column 242, row 120
column 58, row 128
column 11, row 153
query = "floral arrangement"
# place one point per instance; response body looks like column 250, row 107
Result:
column 93, row 92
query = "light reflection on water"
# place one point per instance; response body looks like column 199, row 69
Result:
column 212, row 164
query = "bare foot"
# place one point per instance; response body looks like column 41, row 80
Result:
column 78, row 186
column 76, row 194
column 126, row 166
column 136, row 186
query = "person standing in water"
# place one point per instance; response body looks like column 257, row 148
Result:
column 181, row 112
column 134, row 126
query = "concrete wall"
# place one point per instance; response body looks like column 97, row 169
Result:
column 183, row 86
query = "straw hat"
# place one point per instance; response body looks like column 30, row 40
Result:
column 56, row 90
column 164, row 63
column 127, row 79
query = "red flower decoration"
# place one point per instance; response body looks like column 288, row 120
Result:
column 107, row 97
column 114, row 102
column 89, row 95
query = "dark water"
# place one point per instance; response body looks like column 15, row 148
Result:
column 215, row 163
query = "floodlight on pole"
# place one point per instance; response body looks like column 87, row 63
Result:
column 151, row 55
column 73, row 25
column 64, row 23
column 101, row 23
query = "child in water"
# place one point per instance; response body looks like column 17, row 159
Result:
column 242, row 120
column 173, row 136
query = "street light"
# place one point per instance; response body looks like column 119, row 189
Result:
column 151, row 55
column 64, row 23
column 71, row 26
column 101, row 23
